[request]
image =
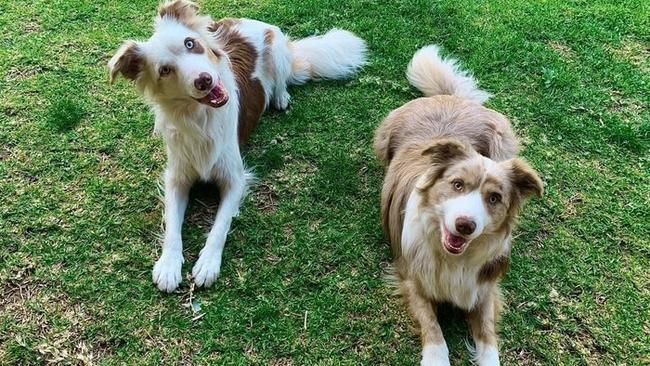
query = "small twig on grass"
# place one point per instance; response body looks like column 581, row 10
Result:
column 304, row 323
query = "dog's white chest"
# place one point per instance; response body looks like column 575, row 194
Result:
column 194, row 152
column 454, row 283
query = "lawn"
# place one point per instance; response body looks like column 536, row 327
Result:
column 301, row 282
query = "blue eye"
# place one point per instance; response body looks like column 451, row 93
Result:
column 189, row 44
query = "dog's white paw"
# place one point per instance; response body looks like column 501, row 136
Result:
column 206, row 270
column 167, row 271
column 281, row 102
column 487, row 355
column 435, row 355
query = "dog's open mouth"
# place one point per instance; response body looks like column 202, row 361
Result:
column 217, row 97
column 453, row 243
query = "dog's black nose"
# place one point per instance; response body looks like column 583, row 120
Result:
column 204, row 81
column 465, row 225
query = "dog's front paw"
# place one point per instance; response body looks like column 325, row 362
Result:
column 206, row 270
column 167, row 271
column 435, row 355
column 487, row 355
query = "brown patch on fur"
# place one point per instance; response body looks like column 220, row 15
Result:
column 127, row 60
column 181, row 10
column 525, row 179
column 198, row 47
column 494, row 270
column 445, row 150
column 224, row 24
column 184, row 12
column 243, row 56
column 442, row 153
column 267, row 57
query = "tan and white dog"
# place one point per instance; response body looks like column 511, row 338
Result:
column 208, row 84
column 451, row 195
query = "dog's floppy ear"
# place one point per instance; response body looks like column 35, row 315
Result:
column 128, row 61
column 525, row 179
column 182, row 10
column 446, row 150
column 442, row 153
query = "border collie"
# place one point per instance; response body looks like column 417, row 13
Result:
column 451, row 195
column 208, row 83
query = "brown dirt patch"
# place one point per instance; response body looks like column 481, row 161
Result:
column 634, row 52
column 266, row 198
column 562, row 49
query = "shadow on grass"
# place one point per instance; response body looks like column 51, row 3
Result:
column 64, row 115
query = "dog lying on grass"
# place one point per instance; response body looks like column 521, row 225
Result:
column 451, row 195
column 208, row 84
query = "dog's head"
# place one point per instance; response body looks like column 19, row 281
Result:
column 472, row 195
column 179, row 62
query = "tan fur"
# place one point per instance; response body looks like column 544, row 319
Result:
column 185, row 12
column 267, row 58
column 425, row 119
column 426, row 145
column 483, row 319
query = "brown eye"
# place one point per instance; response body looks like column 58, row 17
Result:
column 458, row 185
column 495, row 198
column 189, row 43
column 165, row 70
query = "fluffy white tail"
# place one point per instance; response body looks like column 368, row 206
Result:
column 434, row 75
column 334, row 55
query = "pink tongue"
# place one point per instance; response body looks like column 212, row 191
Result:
column 217, row 97
column 456, row 241
column 215, row 93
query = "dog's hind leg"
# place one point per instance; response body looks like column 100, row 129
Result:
column 167, row 270
column 232, row 183
column 277, row 59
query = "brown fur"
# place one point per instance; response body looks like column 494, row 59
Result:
column 425, row 119
column 483, row 319
column 198, row 47
column 432, row 141
column 184, row 11
column 494, row 270
column 130, row 62
column 252, row 100
column 267, row 58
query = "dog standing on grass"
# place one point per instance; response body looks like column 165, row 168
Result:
column 451, row 195
column 208, row 84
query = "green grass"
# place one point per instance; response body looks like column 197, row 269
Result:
column 80, row 216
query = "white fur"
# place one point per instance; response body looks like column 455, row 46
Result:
column 453, row 279
column 433, row 75
column 471, row 206
column 202, row 141
column 486, row 354
column 435, row 355
column 336, row 54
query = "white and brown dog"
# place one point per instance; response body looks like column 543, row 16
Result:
column 208, row 84
column 451, row 195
